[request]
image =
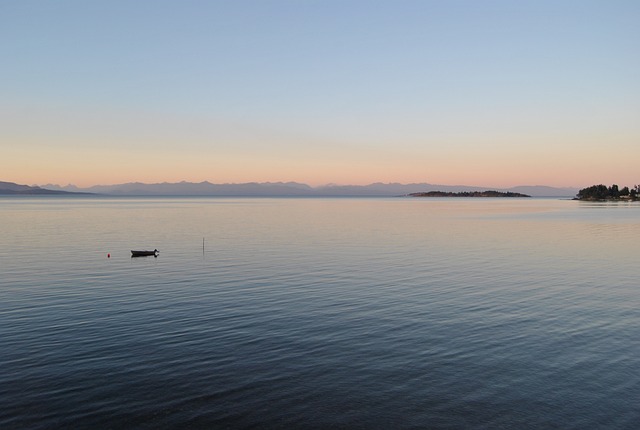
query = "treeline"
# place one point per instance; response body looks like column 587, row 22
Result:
column 602, row 192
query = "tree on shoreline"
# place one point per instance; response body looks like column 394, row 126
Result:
column 602, row 192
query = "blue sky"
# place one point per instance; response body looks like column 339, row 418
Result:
column 480, row 92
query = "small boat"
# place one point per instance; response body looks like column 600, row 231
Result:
column 155, row 253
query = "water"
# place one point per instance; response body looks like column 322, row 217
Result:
column 319, row 313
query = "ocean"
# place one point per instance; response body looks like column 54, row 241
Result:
column 370, row 313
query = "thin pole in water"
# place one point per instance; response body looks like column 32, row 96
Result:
column 203, row 245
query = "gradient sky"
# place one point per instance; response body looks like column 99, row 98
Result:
column 487, row 93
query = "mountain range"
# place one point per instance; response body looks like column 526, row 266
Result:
column 284, row 189
column 11, row 188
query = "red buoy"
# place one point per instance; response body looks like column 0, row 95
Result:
column 108, row 255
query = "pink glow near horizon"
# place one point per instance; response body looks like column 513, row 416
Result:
column 408, row 93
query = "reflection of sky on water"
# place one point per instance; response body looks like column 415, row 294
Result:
column 377, row 304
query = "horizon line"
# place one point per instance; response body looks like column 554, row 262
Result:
column 326, row 185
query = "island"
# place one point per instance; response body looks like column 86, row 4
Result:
column 613, row 193
column 468, row 194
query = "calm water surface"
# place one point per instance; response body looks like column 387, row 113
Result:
column 319, row 313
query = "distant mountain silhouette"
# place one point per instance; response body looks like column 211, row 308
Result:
column 197, row 189
column 284, row 189
column 13, row 189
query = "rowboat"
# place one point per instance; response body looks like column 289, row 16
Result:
column 155, row 253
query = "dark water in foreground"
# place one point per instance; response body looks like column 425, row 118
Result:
column 321, row 313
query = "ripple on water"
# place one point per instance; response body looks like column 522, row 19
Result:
column 328, row 313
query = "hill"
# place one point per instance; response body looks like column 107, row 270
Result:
column 285, row 189
column 10, row 188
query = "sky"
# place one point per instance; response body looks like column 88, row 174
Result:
column 484, row 93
